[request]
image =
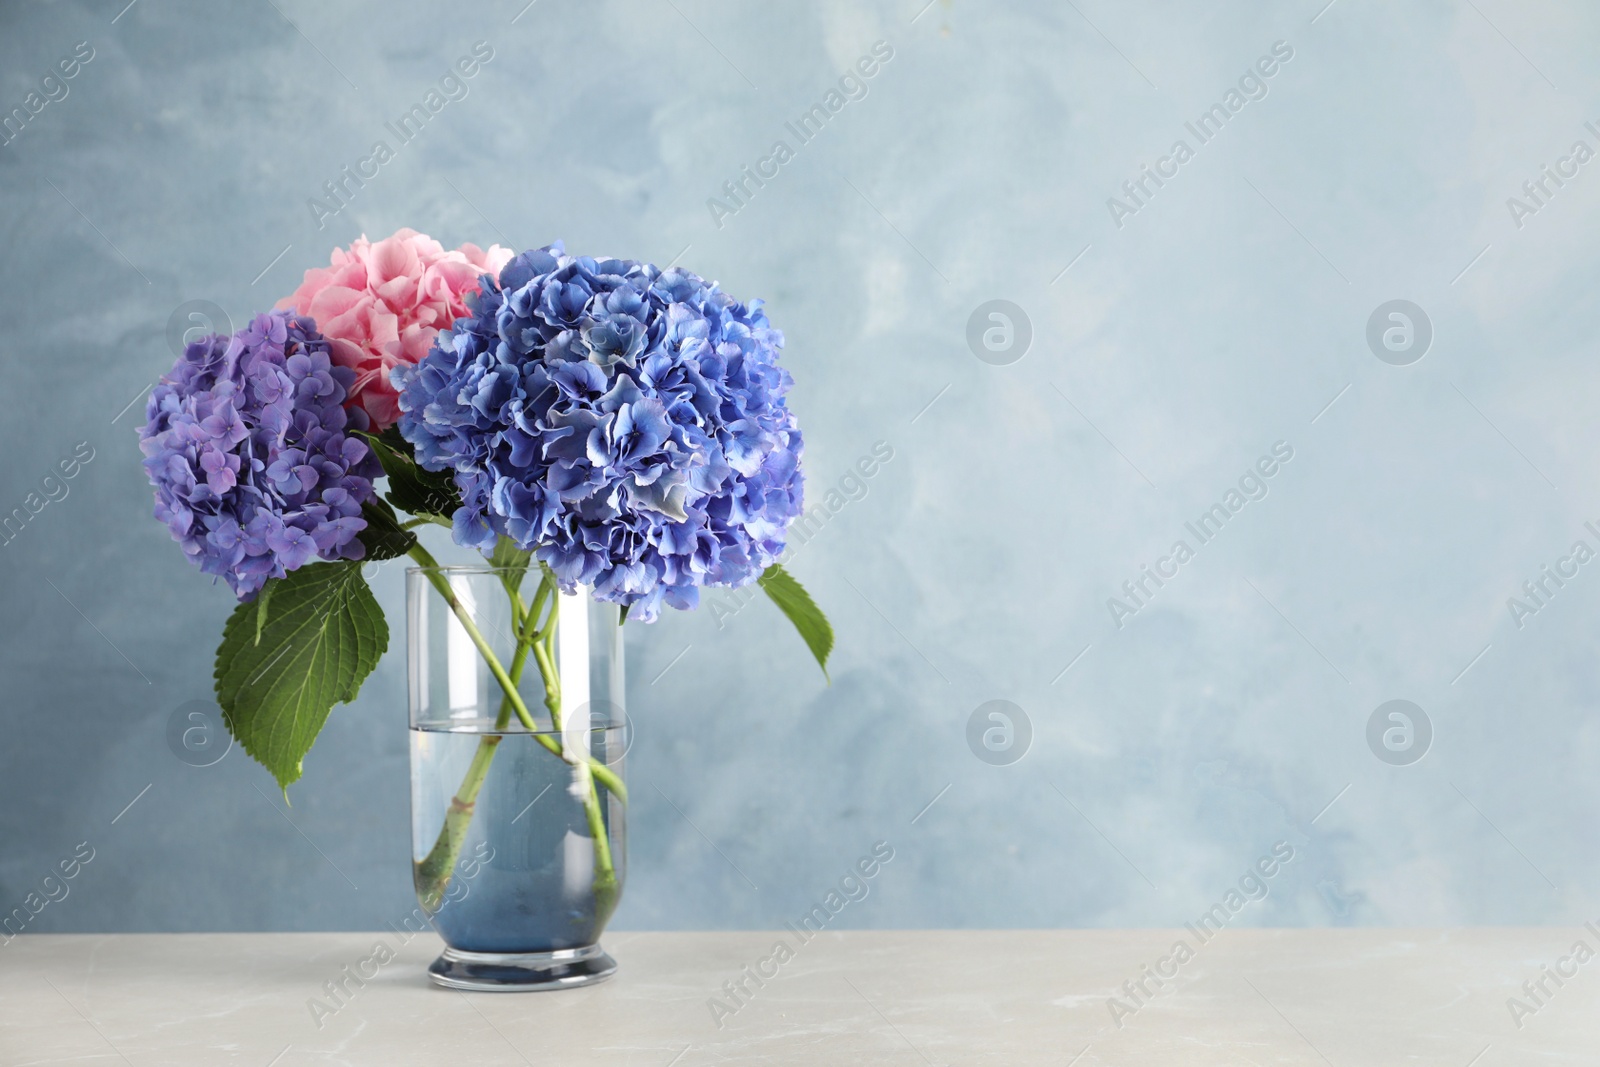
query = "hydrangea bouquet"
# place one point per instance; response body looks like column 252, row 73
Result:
column 594, row 422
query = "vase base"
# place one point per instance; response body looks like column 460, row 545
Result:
column 521, row 972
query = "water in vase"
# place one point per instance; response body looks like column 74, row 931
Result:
column 524, row 877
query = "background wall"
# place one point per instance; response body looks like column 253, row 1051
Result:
column 1175, row 340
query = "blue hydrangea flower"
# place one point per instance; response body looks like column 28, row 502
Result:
column 626, row 423
column 244, row 441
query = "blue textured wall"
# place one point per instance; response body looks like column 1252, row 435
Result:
column 1177, row 336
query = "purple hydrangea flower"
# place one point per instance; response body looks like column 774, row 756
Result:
column 244, row 440
column 626, row 423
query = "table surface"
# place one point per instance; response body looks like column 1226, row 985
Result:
column 1304, row 997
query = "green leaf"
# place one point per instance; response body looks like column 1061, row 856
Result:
column 384, row 538
column 507, row 556
column 796, row 603
column 325, row 635
column 412, row 489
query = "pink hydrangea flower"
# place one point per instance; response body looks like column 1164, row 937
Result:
column 381, row 303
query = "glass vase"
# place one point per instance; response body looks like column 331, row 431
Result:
column 518, row 807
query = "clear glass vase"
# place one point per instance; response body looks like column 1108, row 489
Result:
column 518, row 807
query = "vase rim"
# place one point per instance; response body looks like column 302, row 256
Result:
column 461, row 568
column 444, row 726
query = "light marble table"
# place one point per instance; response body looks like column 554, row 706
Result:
column 1337, row 997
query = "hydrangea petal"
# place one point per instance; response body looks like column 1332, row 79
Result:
column 627, row 424
column 244, row 442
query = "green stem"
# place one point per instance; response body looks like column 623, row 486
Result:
column 434, row 871
column 432, row 875
column 431, row 568
column 552, row 687
column 523, row 624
